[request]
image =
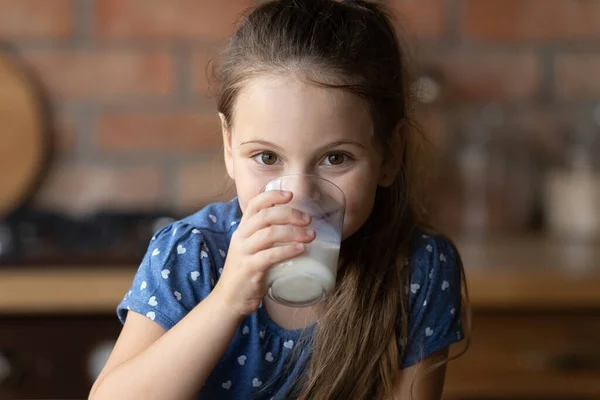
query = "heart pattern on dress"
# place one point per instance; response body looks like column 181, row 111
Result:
column 222, row 253
column 213, row 218
column 203, row 254
column 181, row 249
column 165, row 273
column 442, row 258
column 289, row 344
column 242, row 360
column 151, row 315
column 429, row 248
column 414, row 287
column 143, row 285
column 195, row 231
column 152, row 301
column 226, row 385
column 246, row 330
column 177, row 295
column 261, row 334
column 428, row 331
column 194, row 275
column 445, row 285
column 155, row 252
column 256, row 382
column 269, row 357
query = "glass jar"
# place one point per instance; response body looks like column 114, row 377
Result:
column 572, row 184
column 493, row 177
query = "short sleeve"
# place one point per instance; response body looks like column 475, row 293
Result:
column 175, row 274
column 434, row 299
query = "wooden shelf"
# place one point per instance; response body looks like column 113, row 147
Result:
column 535, row 273
column 532, row 272
column 58, row 290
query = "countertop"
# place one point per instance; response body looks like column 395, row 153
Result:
column 516, row 272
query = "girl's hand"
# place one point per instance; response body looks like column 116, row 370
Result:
column 252, row 252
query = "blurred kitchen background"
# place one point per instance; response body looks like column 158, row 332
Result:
column 108, row 132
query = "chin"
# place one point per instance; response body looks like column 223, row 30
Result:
column 349, row 231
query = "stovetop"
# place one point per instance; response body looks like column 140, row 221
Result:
column 108, row 238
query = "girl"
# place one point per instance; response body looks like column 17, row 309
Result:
column 306, row 87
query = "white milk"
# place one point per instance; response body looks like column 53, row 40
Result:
column 306, row 279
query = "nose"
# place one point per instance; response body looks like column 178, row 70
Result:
column 304, row 188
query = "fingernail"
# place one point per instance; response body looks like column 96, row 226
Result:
column 305, row 217
column 310, row 233
column 299, row 246
column 286, row 193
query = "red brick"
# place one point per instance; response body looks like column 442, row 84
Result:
column 36, row 18
column 203, row 182
column 532, row 19
column 167, row 19
column 80, row 188
column 419, row 18
column 81, row 74
column 577, row 76
column 158, row 132
column 489, row 76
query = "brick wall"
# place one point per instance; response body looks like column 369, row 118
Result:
column 128, row 86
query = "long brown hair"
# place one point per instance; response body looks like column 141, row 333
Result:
column 349, row 46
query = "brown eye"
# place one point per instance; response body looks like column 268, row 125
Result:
column 268, row 158
column 335, row 159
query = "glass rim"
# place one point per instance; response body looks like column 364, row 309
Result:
column 263, row 189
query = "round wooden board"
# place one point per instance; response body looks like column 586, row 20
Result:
column 22, row 138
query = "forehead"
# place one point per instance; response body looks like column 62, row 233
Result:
column 284, row 108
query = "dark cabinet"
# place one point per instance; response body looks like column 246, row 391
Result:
column 517, row 354
column 52, row 356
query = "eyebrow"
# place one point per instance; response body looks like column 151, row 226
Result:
column 332, row 144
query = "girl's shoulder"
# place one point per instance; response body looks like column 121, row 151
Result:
column 202, row 233
column 219, row 218
column 435, row 296
column 182, row 264
column 431, row 250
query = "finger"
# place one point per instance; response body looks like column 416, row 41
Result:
column 281, row 215
column 265, row 200
column 274, row 234
column 265, row 259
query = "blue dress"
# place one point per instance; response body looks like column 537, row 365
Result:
column 185, row 259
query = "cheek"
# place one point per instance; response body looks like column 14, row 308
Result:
column 247, row 185
column 246, row 191
column 359, row 204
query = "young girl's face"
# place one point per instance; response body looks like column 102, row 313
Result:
column 282, row 126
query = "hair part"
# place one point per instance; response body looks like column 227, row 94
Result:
column 350, row 46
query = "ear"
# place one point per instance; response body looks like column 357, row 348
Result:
column 227, row 152
column 390, row 167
